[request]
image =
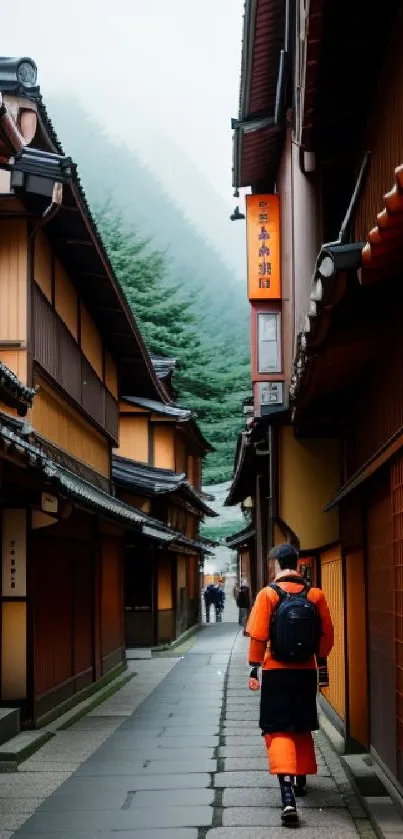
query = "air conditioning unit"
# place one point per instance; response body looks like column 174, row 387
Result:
column 270, row 396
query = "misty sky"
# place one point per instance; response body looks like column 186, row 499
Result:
column 152, row 72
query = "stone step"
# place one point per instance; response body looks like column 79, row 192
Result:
column 20, row 747
column 9, row 723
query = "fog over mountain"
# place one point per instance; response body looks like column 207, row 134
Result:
column 191, row 304
column 109, row 169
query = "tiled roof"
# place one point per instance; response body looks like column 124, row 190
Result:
column 384, row 243
column 14, row 392
column 152, row 481
column 145, row 479
column 88, row 496
column 164, row 367
column 31, row 161
column 244, row 478
column 14, row 442
column 256, row 133
column 335, row 284
column 238, row 539
column 333, row 265
column 181, row 414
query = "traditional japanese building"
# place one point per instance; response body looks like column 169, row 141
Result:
column 157, row 468
column 69, row 347
column 319, row 129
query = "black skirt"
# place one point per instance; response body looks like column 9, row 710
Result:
column 288, row 701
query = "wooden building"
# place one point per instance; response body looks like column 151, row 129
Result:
column 69, row 346
column 157, row 468
column 354, row 382
column 243, row 543
column 319, row 127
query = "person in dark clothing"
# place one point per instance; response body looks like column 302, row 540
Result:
column 219, row 603
column 289, row 658
column 243, row 603
column 210, row 599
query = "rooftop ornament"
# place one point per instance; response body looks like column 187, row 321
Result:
column 18, row 75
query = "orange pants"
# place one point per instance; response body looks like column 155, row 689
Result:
column 291, row 754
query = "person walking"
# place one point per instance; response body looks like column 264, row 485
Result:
column 290, row 629
column 210, row 597
column 243, row 603
column 219, row 602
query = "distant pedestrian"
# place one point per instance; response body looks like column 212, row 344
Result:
column 290, row 627
column 210, row 599
column 220, row 602
column 243, row 603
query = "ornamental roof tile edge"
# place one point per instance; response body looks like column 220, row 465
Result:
column 340, row 259
column 240, row 452
column 10, row 382
column 183, row 414
column 158, row 481
column 83, row 490
column 241, row 536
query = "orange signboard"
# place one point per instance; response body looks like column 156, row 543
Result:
column 263, row 247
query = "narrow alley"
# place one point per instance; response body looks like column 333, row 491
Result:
column 175, row 754
column 201, row 420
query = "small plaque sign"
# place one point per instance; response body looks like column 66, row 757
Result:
column 49, row 503
column 14, row 553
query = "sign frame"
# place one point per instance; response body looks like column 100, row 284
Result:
column 263, row 246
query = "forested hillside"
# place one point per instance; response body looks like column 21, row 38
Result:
column 184, row 296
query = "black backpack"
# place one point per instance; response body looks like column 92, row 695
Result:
column 295, row 626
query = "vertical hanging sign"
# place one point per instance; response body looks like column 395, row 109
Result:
column 14, row 556
column 263, row 247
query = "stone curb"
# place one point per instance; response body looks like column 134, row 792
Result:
column 373, row 816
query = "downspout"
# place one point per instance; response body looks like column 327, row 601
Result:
column 9, row 129
column 50, row 211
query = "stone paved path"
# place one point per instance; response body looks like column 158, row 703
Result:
column 187, row 763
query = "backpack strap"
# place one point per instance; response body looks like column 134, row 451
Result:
column 295, row 578
column 284, row 594
column 281, row 594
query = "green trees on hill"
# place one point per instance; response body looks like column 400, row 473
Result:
column 189, row 301
column 213, row 374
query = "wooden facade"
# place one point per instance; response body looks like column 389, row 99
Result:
column 336, row 458
column 363, row 580
column 162, row 590
column 332, row 584
column 67, row 621
column 75, row 559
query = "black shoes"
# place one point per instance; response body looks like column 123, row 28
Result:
column 289, row 815
column 300, row 786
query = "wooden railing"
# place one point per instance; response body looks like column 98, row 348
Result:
column 56, row 351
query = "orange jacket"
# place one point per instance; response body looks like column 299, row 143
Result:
column 258, row 627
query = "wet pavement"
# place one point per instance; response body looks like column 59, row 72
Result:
column 185, row 761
